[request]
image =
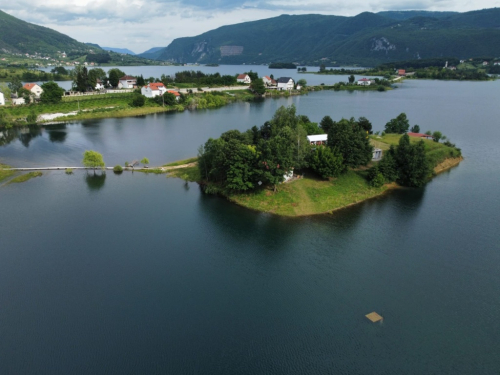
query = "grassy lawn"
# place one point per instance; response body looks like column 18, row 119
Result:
column 181, row 162
column 25, row 177
column 310, row 195
column 436, row 152
column 188, row 173
column 5, row 173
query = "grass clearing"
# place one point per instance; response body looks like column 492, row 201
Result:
column 151, row 170
column 181, row 162
column 25, row 177
column 4, row 174
column 310, row 195
column 189, row 173
column 436, row 152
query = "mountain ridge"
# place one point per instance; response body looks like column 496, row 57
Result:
column 365, row 39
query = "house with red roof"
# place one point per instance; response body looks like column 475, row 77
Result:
column 153, row 90
column 243, row 78
column 176, row 93
column 420, row 135
column 364, row 82
column 127, row 82
column 267, row 80
column 34, row 89
column 401, row 72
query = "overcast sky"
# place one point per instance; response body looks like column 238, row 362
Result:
column 140, row 24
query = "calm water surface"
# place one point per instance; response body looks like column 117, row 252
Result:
column 142, row 274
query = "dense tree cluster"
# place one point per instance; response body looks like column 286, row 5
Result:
column 201, row 79
column 398, row 125
column 263, row 156
column 459, row 74
column 351, row 139
column 239, row 161
column 100, row 58
column 52, row 93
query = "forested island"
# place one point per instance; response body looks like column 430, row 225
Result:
column 251, row 168
column 282, row 66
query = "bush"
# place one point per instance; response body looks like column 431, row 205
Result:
column 380, row 88
column 31, row 118
column 375, row 178
column 117, row 169
column 326, row 162
column 69, row 171
column 138, row 101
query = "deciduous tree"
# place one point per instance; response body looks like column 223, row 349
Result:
column 415, row 129
column 326, row 123
column 258, row 86
column 326, row 161
column 93, row 159
column 52, row 93
column 398, row 125
column 352, row 142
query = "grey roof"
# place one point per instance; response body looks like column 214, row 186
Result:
column 284, row 79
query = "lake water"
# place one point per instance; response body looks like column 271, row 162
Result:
column 141, row 274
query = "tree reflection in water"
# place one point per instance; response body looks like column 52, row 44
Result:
column 95, row 181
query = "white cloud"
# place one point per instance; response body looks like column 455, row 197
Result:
column 140, row 24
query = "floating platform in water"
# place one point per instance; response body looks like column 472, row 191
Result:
column 374, row 317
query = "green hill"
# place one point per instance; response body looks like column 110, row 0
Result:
column 17, row 36
column 406, row 14
column 365, row 39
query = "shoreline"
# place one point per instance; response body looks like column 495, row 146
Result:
column 99, row 113
column 238, row 199
column 445, row 165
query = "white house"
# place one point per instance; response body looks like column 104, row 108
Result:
column 153, row 90
column 377, row 154
column 288, row 175
column 285, row 83
column 2, row 99
column 364, row 82
column 17, row 101
column 267, row 80
column 127, row 82
column 34, row 89
column 99, row 85
column 243, row 78
column 317, row 139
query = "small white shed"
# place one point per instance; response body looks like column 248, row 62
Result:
column 317, row 139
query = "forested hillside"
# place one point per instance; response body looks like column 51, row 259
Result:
column 17, row 36
column 366, row 39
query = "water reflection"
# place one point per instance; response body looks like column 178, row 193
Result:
column 95, row 180
column 246, row 226
column 28, row 133
column 57, row 133
column 25, row 135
